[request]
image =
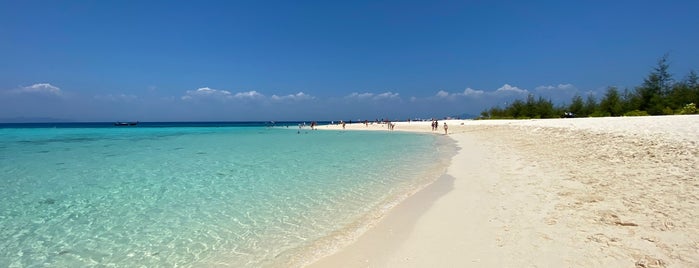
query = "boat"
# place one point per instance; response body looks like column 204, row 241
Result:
column 120, row 124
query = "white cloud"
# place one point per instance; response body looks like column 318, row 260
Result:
column 442, row 94
column 297, row 96
column 210, row 93
column 472, row 92
column 386, row 95
column 507, row 88
column 44, row 88
column 566, row 86
column 373, row 96
column 248, row 95
column 356, row 95
column 206, row 92
column 468, row 92
column 558, row 87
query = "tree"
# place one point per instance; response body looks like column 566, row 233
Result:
column 611, row 103
column 650, row 95
column 590, row 105
column 576, row 105
column 692, row 79
column 692, row 84
column 658, row 95
column 530, row 107
column 516, row 109
column 544, row 109
column 628, row 101
column 684, row 92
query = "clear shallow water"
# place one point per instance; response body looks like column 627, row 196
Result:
column 194, row 196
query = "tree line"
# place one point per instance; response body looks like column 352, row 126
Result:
column 658, row 95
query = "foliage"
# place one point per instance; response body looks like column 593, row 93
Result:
column 599, row 114
column 636, row 113
column 590, row 105
column 659, row 94
column 577, row 106
column 656, row 86
column 668, row 111
column 690, row 108
column 611, row 104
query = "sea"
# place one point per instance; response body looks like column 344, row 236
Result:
column 221, row 194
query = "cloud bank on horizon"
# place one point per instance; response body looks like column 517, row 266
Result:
column 207, row 103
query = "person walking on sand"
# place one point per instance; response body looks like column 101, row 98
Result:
column 445, row 128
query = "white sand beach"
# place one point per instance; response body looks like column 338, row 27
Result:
column 586, row 192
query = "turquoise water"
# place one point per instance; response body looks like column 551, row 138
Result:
column 197, row 196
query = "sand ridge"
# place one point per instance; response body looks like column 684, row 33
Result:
column 589, row 192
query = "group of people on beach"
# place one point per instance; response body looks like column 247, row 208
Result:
column 366, row 123
column 313, row 126
column 391, row 126
column 435, row 126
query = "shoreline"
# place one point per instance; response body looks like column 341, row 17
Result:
column 549, row 192
column 423, row 182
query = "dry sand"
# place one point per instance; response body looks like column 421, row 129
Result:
column 588, row 192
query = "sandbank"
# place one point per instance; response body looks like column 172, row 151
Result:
column 582, row 192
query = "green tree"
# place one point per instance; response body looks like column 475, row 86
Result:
column 576, row 105
column 530, row 107
column 545, row 109
column 495, row 113
column 611, row 103
column 685, row 92
column 590, row 106
column 517, row 109
column 627, row 101
column 650, row 95
column 658, row 94
column 692, row 79
column 658, row 106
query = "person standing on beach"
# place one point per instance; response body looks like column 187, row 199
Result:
column 445, row 128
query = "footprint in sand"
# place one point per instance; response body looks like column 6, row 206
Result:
column 610, row 218
column 650, row 262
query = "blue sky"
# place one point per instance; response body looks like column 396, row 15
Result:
column 325, row 60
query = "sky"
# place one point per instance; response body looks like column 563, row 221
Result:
column 102, row 61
